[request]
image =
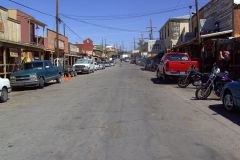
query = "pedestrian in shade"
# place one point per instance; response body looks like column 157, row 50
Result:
column 224, row 60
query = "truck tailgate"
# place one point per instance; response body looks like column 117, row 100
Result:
column 181, row 66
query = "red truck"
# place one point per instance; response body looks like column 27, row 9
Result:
column 175, row 64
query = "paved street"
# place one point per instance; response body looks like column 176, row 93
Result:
column 121, row 113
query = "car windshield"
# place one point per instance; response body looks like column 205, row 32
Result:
column 82, row 61
column 177, row 57
column 33, row 65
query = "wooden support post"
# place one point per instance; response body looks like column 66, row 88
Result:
column 5, row 62
column 43, row 55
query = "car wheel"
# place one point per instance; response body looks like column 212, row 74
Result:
column 41, row 83
column 72, row 74
column 228, row 102
column 60, row 78
column 89, row 71
column 4, row 95
column 165, row 77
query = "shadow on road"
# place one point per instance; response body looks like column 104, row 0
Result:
column 159, row 81
column 232, row 116
column 21, row 89
column 187, row 88
column 208, row 99
column 147, row 70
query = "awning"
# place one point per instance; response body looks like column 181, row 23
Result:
column 37, row 22
column 216, row 34
column 20, row 45
column 191, row 42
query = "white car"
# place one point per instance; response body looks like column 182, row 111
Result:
column 5, row 88
column 96, row 66
column 84, row 66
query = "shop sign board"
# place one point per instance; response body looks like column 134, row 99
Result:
column 60, row 44
column 13, row 53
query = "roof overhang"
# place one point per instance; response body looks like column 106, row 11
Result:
column 7, row 43
column 38, row 22
column 216, row 34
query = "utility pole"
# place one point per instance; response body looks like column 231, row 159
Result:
column 141, row 42
column 57, row 32
column 190, row 13
column 198, row 22
column 64, row 29
column 142, row 38
column 105, row 45
column 134, row 43
column 151, row 30
column 102, row 48
column 122, row 46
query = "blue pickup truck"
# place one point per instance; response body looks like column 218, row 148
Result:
column 36, row 74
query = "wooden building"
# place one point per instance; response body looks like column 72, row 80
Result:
column 219, row 23
column 11, row 46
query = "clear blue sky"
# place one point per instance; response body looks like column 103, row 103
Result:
column 106, row 8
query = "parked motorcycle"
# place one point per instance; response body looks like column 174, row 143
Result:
column 216, row 82
column 193, row 77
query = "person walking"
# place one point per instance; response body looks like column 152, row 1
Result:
column 120, row 62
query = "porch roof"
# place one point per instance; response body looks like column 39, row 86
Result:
column 38, row 22
column 216, row 34
column 20, row 45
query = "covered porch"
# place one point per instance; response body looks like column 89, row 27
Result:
column 12, row 55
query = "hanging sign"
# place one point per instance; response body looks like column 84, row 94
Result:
column 13, row 53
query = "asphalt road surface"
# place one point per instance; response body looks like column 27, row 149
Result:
column 121, row 113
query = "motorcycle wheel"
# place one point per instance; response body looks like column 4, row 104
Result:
column 183, row 83
column 202, row 93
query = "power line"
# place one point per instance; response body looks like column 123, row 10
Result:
column 32, row 8
column 75, row 33
column 101, row 26
column 151, row 30
column 177, row 4
column 45, row 14
column 120, row 17
column 97, row 25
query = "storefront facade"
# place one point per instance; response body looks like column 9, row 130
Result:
column 52, row 43
column 12, row 51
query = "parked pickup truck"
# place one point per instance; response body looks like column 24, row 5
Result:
column 84, row 66
column 36, row 73
column 175, row 64
column 5, row 88
column 65, row 64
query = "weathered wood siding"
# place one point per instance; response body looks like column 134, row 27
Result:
column 220, row 11
column 12, row 29
column 3, row 19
